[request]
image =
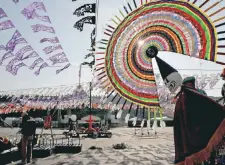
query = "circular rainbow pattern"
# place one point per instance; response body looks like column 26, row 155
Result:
column 173, row 26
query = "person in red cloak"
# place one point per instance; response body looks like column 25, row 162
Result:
column 199, row 125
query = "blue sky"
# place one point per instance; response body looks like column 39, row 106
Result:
column 74, row 43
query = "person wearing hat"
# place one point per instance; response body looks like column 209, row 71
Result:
column 189, row 82
column 197, row 119
column 28, row 130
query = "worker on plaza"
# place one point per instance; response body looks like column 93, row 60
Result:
column 71, row 125
column 28, row 130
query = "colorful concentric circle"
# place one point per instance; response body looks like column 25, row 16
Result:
column 173, row 26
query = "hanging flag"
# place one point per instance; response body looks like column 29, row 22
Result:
column 53, row 40
column 39, row 27
column 44, row 65
column 30, row 12
column 6, row 25
column 93, row 40
column 30, row 55
column 15, row 1
column 86, row 20
column 36, row 62
column 34, row 11
column 16, row 68
column 9, row 66
column 2, row 13
column 6, row 56
column 90, row 19
column 51, row 49
column 65, row 67
column 86, row 8
column 14, row 41
column 58, row 58
column 22, row 51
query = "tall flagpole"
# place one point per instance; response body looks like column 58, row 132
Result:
column 90, row 114
column 96, row 18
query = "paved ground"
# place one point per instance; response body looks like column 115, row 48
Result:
column 143, row 150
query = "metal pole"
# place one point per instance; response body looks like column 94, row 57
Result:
column 80, row 73
column 90, row 119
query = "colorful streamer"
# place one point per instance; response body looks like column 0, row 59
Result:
column 174, row 26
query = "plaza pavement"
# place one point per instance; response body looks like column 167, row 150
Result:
column 143, row 150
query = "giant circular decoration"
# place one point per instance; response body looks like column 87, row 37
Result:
column 174, row 26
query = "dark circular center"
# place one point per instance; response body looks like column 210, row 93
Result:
column 151, row 52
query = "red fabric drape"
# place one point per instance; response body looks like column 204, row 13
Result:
column 199, row 126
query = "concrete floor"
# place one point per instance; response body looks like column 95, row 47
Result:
column 143, row 150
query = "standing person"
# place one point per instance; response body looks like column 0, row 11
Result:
column 70, row 123
column 28, row 130
column 199, row 124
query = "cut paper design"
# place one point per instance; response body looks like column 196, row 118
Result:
column 6, row 25
column 10, row 65
column 24, row 53
column 11, row 45
column 65, row 67
column 30, row 12
column 44, row 65
column 16, row 68
column 53, row 40
column 86, row 8
column 30, row 55
column 15, row 40
column 86, row 20
column 58, row 58
column 36, row 62
column 2, row 13
column 51, row 49
column 39, row 27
